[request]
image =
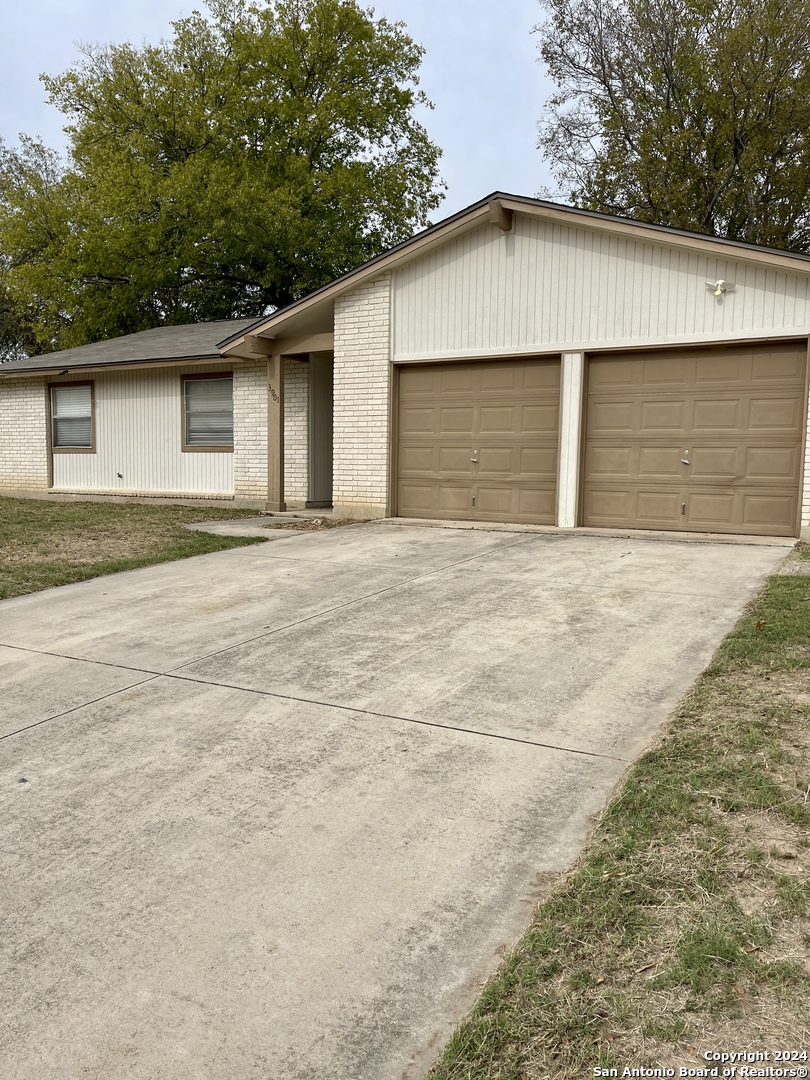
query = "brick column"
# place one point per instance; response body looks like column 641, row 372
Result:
column 250, row 430
column 24, row 436
column 296, row 432
column 362, row 398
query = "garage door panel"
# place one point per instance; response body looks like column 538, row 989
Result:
column 456, row 378
column 453, row 459
column 660, row 416
column 538, row 462
column 659, row 461
column 710, row 510
column 613, row 374
column 773, row 366
column 773, row 463
column 615, row 462
column 668, row 369
column 715, row 463
column 416, row 459
column 416, row 500
column 418, row 420
column 734, row 464
column 658, row 508
column 492, row 500
column 535, row 502
column 715, row 414
column 720, row 368
column 773, row 414
column 500, row 459
column 454, row 420
column 485, row 446
column 419, row 380
column 540, row 420
column 541, row 377
column 769, row 511
column 609, row 417
column 608, row 506
column 504, row 376
column 498, row 418
column 453, row 500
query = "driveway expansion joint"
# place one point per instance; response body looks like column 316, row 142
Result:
column 79, row 659
column 76, row 708
column 394, row 716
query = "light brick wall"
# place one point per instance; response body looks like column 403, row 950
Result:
column 362, row 394
column 23, row 436
column 250, row 429
column 296, row 431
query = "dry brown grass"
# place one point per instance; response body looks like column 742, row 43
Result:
column 43, row 544
column 311, row 524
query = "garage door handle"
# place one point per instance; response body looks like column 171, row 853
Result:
column 473, row 459
column 686, row 461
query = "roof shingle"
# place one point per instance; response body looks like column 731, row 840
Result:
column 195, row 341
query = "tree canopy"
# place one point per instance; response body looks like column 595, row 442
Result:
column 686, row 113
column 262, row 151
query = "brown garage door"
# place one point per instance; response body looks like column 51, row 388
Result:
column 479, row 440
column 707, row 440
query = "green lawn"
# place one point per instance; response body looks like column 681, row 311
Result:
column 53, row 543
column 685, row 925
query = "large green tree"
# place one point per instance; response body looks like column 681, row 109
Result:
column 263, row 150
column 689, row 113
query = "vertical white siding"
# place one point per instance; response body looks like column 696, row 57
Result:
column 138, row 426
column 550, row 287
column 573, row 383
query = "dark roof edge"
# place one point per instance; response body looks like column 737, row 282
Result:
column 166, row 361
column 527, row 200
column 667, row 230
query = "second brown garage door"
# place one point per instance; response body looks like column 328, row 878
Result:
column 479, row 441
column 707, row 440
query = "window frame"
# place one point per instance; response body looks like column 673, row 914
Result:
column 184, row 446
column 91, row 449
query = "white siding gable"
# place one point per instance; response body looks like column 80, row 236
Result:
column 546, row 287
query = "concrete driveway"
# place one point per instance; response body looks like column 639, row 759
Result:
column 274, row 813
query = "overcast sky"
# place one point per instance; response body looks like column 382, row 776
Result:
column 480, row 70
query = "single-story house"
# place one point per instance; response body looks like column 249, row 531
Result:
column 520, row 361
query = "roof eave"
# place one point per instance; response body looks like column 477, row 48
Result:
column 658, row 234
column 67, row 368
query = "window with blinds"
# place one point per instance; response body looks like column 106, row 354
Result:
column 208, row 413
column 72, row 417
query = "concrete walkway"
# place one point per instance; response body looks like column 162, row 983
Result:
column 274, row 813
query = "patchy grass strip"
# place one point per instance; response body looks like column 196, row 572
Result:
column 54, row 543
column 685, row 926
